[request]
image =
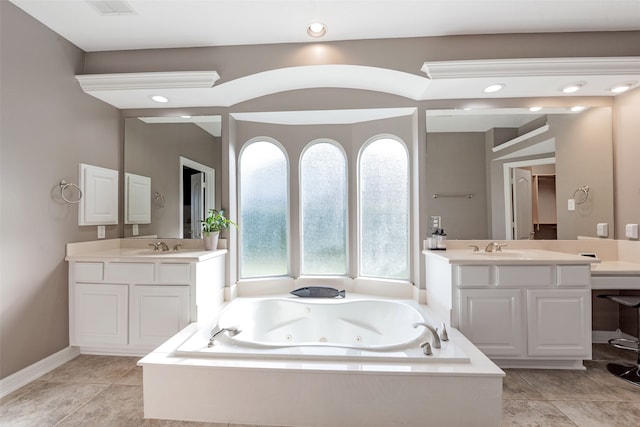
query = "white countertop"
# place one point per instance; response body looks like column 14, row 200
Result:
column 137, row 250
column 519, row 257
column 137, row 255
column 615, row 268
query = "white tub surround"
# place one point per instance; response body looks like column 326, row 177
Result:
column 522, row 308
column 124, row 298
column 319, row 385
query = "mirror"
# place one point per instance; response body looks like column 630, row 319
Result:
column 182, row 158
column 514, row 174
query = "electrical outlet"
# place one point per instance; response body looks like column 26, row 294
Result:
column 101, row 232
column 436, row 222
column 602, row 229
column 134, row 230
column 631, row 231
column 571, row 205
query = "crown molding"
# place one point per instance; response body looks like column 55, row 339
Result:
column 532, row 67
column 160, row 80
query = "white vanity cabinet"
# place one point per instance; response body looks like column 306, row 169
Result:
column 130, row 305
column 533, row 312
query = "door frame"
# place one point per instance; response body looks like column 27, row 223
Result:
column 209, row 179
column 508, row 199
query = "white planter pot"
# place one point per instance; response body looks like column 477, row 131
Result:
column 211, row 241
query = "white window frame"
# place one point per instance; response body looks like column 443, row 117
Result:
column 301, row 212
column 359, row 207
column 288, row 208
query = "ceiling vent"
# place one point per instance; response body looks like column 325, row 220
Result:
column 112, row 7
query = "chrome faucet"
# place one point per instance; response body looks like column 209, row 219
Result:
column 159, row 245
column 232, row 332
column 494, row 247
column 435, row 339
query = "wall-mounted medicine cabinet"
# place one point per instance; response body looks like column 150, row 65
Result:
column 99, row 204
column 137, row 199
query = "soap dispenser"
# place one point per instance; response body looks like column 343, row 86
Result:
column 441, row 241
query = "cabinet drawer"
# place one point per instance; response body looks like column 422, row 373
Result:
column 175, row 273
column 474, row 276
column 524, row 275
column 574, row 275
column 88, row 271
column 131, row 272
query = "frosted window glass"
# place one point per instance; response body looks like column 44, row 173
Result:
column 323, row 175
column 263, row 211
column 384, row 210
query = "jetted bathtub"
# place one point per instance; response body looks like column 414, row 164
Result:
column 319, row 328
column 309, row 362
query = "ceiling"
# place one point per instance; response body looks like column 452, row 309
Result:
column 142, row 24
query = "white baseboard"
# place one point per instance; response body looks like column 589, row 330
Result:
column 33, row 372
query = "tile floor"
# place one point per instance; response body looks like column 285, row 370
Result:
column 107, row 391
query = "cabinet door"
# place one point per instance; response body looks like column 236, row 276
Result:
column 99, row 202
column 493, row 320
column 99, row 314
column 158, row 313
column 559, row 322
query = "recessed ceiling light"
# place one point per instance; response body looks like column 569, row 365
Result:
column 574, row 87
column 534, row 109
column 159, row 98
column 317, row 29
column 577, row 108
column 494, row 88
column 185, row 117
column 621, row 88
column 112, row 7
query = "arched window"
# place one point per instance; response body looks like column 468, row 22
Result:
column 264, row 202
column 383, row 220
column 323, row 207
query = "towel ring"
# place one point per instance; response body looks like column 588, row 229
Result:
column 64, row 185
column 581, row 194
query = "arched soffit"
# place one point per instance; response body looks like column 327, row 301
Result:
column 319, row 76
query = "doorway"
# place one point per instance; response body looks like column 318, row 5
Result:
column 197, row 195
column 530, row 200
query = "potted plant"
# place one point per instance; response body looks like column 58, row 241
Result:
column 211, row 227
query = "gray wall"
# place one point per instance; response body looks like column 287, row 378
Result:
column 583, row 159
column 47, row 127
column 456, row 165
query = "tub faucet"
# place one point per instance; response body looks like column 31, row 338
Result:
column 232, row 332
column 435, row 339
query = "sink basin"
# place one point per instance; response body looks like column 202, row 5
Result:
column 503, row 253
column 150, row 251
